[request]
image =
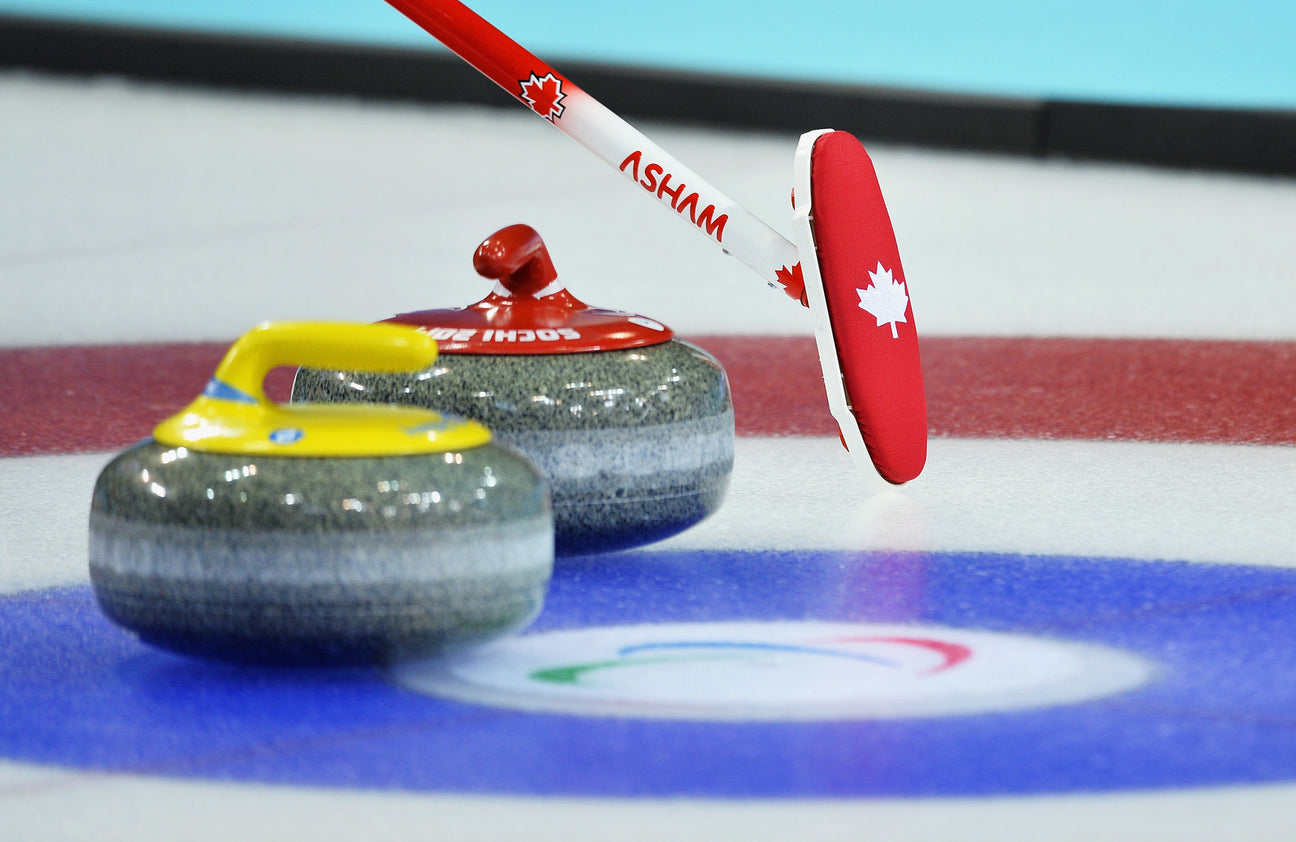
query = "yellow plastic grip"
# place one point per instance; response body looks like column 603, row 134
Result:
column 233, row 415
column 334, row 345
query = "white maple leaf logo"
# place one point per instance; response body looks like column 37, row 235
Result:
column 885, row 299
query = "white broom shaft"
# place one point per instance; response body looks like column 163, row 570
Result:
column 582, row 118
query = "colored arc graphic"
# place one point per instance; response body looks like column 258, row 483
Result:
column 953, row 653
column 708, row 650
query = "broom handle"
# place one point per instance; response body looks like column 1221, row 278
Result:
column 581, row 117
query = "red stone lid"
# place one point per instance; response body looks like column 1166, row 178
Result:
column 529, row 311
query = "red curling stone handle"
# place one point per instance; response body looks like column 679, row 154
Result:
column 516, row 256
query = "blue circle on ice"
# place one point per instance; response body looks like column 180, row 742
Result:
column 1208, row 705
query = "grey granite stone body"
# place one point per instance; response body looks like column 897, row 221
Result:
column 320, row 560
column 636, row 444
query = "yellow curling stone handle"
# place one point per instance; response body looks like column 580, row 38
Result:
column 233, row 414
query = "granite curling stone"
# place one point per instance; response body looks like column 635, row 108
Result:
column 633, row 429
column 251, row 531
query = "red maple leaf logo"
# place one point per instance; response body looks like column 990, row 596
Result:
column 544, row 94
column 792, row 281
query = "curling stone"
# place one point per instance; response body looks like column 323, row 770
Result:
column 633, row 429
column 253, row 531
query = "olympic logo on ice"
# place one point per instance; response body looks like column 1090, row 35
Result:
column 777, row 671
